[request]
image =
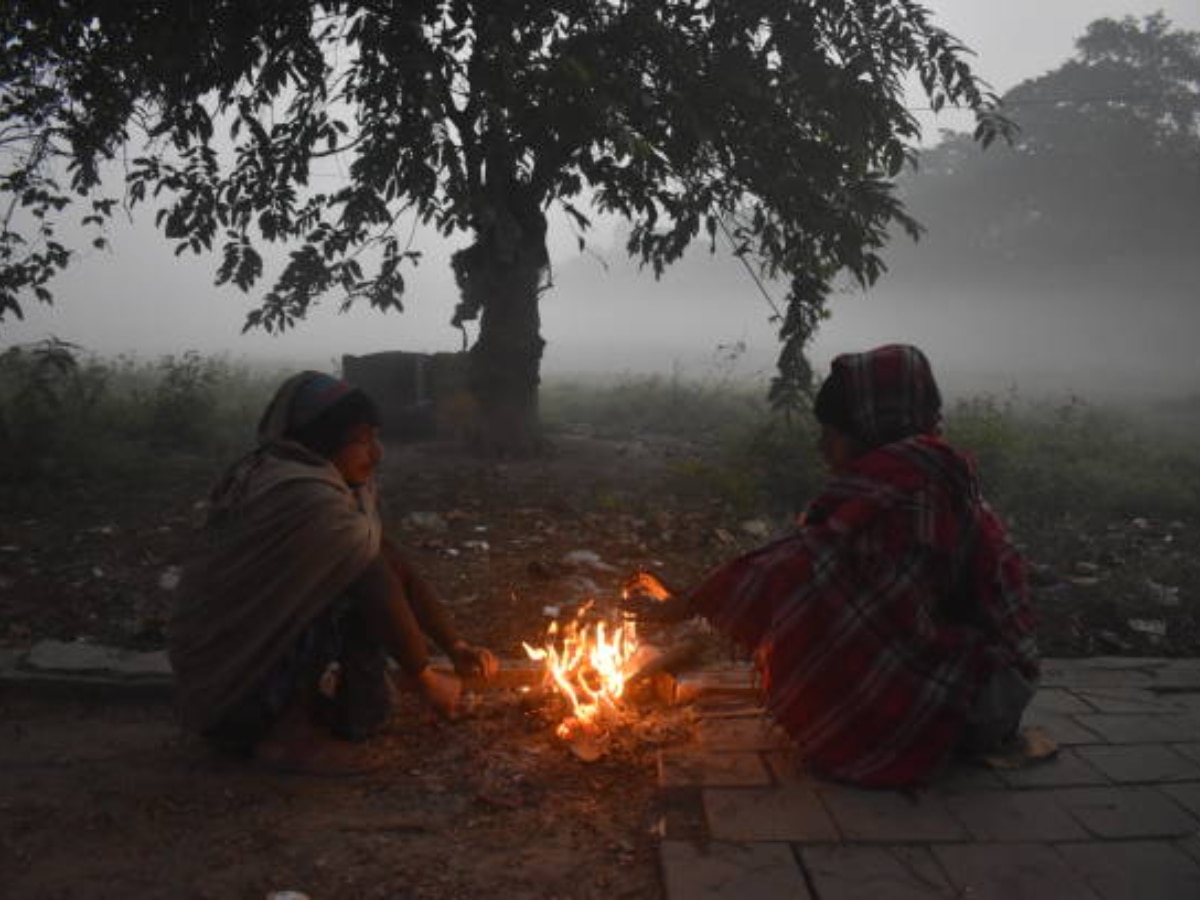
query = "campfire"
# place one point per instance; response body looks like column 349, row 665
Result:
column 603, row 675
column 589, row 662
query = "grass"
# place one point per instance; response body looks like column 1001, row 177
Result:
column 67, row 418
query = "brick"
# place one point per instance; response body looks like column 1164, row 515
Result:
column 711, row 768
column 1058, row 701
column 1126, row 812
column 1186, row 795
column 1066, row 769
column 1140, row 763
column 1137, row 729
column 890, row 816
column 880, row 873
column 740, row 734
column 1135, row 870
column 771, row 814
column 1015, row 816
column 1125, row 701
column 1011, row 872
column 1063, row 729
column 721, row 871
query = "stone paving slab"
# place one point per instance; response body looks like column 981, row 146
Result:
column 702, row 767
column 1015, row 816
column 891, row 817
column 1059, row 701
column 755, row 733
column 878, row 873
column 1067, row 769
column 1141, row 763
column 784, row 813
column 1186, row 795
column 1190, row 845
column 1065, row 729
column 1127, row 812
column 724, row 871
column 1120, row 700
column 1011, row 872
column 1142, row 729
column 1135, row 870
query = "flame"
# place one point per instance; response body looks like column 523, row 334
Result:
column 587, row 662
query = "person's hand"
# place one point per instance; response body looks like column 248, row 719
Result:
column 646, row 584
column 441, row 691
column 647, row 599
column 474, row 662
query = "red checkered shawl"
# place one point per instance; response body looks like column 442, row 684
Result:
column 877, row 620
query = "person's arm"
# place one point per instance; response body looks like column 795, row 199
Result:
column 436, row 621
column 648, row 599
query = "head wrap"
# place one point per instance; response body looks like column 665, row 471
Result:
column 315, row 409
column 880, row 396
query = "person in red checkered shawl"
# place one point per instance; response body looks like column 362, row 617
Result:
column 892, row 627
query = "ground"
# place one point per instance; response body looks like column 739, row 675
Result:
column 108, row 799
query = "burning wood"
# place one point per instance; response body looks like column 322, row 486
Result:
column 587, row 664
column 592, row 664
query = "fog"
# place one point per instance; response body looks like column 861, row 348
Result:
column 1128, row 330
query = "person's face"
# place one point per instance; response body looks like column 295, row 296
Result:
column 837, row 448
column 357, row 458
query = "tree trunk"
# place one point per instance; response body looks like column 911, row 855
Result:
column 499, row 277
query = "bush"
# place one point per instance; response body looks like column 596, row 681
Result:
column 66, row 418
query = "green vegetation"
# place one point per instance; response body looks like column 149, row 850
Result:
column 67, row 419
column 1042, row 463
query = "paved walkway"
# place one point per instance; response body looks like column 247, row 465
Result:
column 1116, row 815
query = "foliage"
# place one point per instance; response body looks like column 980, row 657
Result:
column 66, row 419
column 780, row 124
column 1043, row 464
column 1107, row 164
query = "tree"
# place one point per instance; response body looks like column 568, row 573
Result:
column 780, row 123
column 1107, row 165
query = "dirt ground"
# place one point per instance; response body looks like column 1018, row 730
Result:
column 108, row 799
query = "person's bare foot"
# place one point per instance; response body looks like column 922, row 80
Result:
column 441, row 691
column 318, row 755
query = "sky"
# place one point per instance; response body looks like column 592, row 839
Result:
column 139, row 298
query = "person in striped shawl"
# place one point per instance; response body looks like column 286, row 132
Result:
column 892, row 627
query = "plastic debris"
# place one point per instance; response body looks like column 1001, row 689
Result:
column 587, row 559
column 425, row 521
column 169, row 579
column 1163, row 594
column 756, row 528
column 1151, row 627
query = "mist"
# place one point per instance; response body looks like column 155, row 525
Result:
column 1113, row 327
